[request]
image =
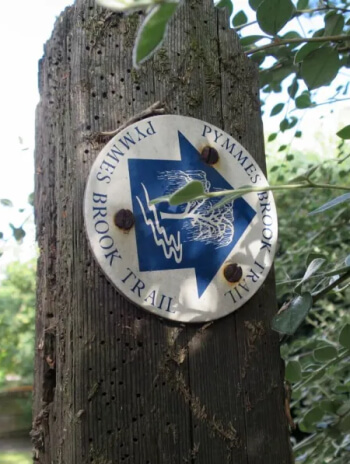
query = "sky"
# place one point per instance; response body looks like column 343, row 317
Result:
column 24, row 28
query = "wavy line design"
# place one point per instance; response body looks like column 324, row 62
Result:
column 171, row 246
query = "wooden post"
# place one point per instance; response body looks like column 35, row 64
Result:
column 114, row 384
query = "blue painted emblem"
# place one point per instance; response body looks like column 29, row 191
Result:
column 187, row 236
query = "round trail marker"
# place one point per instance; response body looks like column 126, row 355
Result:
column 194, row 262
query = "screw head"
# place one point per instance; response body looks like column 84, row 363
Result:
column 209, row 155
column 233, row 273
column 124, row 219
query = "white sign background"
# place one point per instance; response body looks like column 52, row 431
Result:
column 173, row 293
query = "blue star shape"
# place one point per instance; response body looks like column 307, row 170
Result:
column 166, row 237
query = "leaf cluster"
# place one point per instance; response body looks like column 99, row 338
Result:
column 313, row 250
column 17, row 314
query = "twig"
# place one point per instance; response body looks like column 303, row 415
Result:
column 155, row 109
column 330, row 287
column 297, row 40
column 242, row 26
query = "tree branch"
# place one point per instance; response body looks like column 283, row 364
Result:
column 325, row 8
column 330, row 287
column 281, row 42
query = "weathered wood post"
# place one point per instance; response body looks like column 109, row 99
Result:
column 113, row 383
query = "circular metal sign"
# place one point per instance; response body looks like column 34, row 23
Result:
column 194, row 262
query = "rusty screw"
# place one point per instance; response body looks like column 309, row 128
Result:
column 209, row 155
column 124, row 219
column 233, row 272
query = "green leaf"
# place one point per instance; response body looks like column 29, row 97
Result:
column 31, row 199
column 313, row 416
column 344, row 424
column 282, row 147
column 254, row 4
column 293, row 371
column 277, row 109
column 288, row 321
column 191, row 191
column 125, row 5
column 320, row 67
column 239, row 19
column 250, row 39
column 6, row 202
column 298, row 134
column 325, row 353
column 331, row 204
column 303, row 101
column 290, row 157
column 272, row 137
column 344, row 337
column 334, row 24
column 18, row 232
column 328, row 406
column 284, row 124
column 293, row 88
column 344, row 133
column 302, row 4
column 305, row 50
column 313, row 267
column 273, row 15
column 312, row 256
column 225, row 4
column 287, row 124
column 152, row 32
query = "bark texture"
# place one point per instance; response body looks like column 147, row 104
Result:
column 114, row 384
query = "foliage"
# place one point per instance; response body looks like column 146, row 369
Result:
column 17, row 310
column 317, row 356
column 16, row 458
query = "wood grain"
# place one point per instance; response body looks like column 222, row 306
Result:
column 114, row 384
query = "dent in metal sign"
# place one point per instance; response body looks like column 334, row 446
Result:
column 189, row 263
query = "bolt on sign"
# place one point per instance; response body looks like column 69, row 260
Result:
column 195, row 261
